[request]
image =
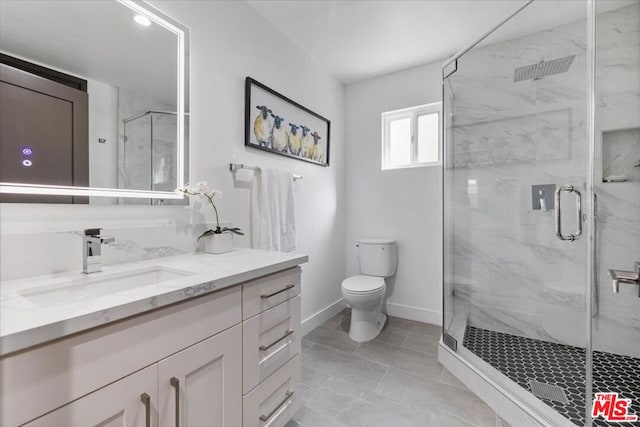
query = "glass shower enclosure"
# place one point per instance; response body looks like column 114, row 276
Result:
column 147, row 155
column 542, row 208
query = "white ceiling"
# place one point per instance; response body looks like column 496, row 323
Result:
column 96, row 40
column 355, row 40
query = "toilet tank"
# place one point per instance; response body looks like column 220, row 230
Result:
column 377, row 257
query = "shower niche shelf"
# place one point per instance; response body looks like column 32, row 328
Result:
column 621, row 155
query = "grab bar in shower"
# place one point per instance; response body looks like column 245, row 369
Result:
column 578, row 233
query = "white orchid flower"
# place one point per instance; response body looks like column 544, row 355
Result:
column 201, row 187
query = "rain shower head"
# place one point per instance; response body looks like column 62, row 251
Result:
column 542, row 69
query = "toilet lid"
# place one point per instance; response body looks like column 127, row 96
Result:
column 362, row 284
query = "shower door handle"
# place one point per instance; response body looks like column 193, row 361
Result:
column 578, row 233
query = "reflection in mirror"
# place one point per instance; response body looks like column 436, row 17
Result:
column 99, row 104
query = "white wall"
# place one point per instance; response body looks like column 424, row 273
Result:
column 229, row 41
column 405, row 204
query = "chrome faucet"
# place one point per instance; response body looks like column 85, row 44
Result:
column 91, row 250
column 629, row 277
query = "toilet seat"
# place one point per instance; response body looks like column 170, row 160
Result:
column 363, row 285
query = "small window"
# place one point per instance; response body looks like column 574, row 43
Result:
column 411, row 137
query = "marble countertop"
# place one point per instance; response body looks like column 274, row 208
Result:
column 25, row 322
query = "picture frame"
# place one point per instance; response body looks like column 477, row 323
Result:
column 279, row 125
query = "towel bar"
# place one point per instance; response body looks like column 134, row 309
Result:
column 236, row 166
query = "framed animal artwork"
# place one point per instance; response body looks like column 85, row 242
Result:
column 279, row 125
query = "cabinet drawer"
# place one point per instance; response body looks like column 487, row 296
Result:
column 266, row 292
column 274, row 402
column 118, row 404
column 270, row 339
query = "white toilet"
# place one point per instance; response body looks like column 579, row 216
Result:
column 378, row 259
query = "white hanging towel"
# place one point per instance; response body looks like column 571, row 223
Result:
column 273, row 222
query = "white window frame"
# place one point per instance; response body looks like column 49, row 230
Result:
column 411, row 113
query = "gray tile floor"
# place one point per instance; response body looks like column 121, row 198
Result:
column 392, row 381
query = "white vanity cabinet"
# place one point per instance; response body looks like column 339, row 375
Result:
column 178, row 366
column 201, row 382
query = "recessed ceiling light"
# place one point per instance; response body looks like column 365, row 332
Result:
column 142, row 20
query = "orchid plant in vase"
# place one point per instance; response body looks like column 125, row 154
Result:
column 217, row 241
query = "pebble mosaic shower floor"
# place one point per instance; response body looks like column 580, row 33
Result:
column 525, row 359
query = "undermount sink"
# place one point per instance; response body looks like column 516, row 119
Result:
column 72, row 290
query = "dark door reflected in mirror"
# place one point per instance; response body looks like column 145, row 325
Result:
column 43, row 130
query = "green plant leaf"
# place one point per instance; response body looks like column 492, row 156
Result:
column 235, row 230
column 206, row 233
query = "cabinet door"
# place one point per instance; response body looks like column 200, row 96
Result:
column 202, row 385
column 120, row 404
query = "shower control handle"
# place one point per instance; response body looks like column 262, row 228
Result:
column 628, row 277
column 578, row 233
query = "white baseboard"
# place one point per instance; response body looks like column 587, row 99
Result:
column 318, row 318
column 414, row 313
column 393, row 309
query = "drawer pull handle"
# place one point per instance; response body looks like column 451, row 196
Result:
column 175, row 383
column 287, row 397
column 286, row 334
column 277, row 292
column 146, row 400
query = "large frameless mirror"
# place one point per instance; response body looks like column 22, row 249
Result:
column 94, row 102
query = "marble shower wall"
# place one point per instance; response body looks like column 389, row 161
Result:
column 134, row 156
column 146, row 155
column 616, row 328
column 621, row 153
column 510, row 272
column 148, row 159
column 163, row 155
